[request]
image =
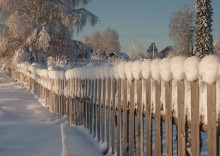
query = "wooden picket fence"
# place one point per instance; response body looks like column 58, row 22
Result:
column 103, row 107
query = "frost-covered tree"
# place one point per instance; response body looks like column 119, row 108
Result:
column 182, row 31
column 204, row 38
column 44, row 26
column 103, row 43
column 111, row 40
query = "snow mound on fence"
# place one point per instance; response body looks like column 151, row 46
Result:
column 208, row 69
column 191, row 66
column 165, row 69
column 177, row 67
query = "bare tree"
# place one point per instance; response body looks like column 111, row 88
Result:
column 204, row 38
column 103, row 43
column 45, row 26
column 182, row 31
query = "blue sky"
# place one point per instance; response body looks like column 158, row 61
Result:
column 146, row 20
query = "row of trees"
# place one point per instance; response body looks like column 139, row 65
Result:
column 46, row 27
column 103, row 43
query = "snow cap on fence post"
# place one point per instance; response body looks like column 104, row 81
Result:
column 128, row 69
column 111, row 72
column 177, row 67
column 101, row 72
column 165, row 69
column 107, row 71
column 116, row 75
column 96, row 71
column 191, row 68
column 136, row 70
column 208, row 69
column 155, row 72
column 121, row 70
column 145, row 68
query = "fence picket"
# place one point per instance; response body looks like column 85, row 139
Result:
column 148, row 118
column 125, row 113
column 99, row 109
column 158, row 119
column 108, row 112
column 169, row 117
column 113, row 116
column 212, row 130
column 139, row 115
column 181, row 118
column 119, row 119
column 131, row 117
column 104, row 111
column 195, row 118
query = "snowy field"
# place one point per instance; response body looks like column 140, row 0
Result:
column 29, row 129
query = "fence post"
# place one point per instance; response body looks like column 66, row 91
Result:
column 119, row 119
column 113, row 116
column 132, row 119
column 148, row 119
column 95, row 108
column 181, row 118
column 139, row 115
column 125, row 113
column 99, row 108
column 108, row 112
column 158, row 119
column 195, row 118
column 92, row 106
column 212, row 130
column 103, row 112
column 169, row 116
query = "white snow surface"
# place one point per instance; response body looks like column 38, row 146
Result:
column 177, row 67
column 191, row 68
column 145, row 68
column 29, row 129
column 209, row 68
column 165, row 69
column 136, row 69
column 155, row 71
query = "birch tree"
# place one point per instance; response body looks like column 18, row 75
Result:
column 45, row 26
column 182, row 31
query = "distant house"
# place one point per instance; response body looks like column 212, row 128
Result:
column 118, row 55
column 163, row 53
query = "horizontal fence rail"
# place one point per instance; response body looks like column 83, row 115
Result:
column 141, row 115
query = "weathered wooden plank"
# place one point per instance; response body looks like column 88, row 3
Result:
column 148, row 119
column 212, row 129
column 108, row 112
column 181, row 118
column 95, row 108
column 92, row 107
column 169, row 130
column 125, row 113
column 119, row 119
column 158, row 119
column 113, row 116
column 86, row 103
column 131, row 134
column 99, row 109
column 195, row 119
column 139, row 115
column 104, row 111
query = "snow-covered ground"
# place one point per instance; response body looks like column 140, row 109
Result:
column 29, row 129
